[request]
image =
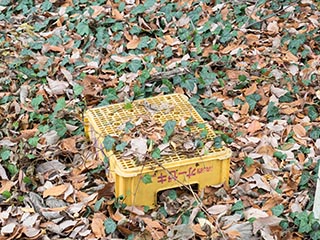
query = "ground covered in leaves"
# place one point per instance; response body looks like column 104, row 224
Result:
column 250, row 68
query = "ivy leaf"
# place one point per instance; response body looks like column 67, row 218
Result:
column 147, row 178
column 238, row 206
column 77, row 89
column 167, row 51
column 5, row 154
column 83, row 28
column 217, row 142
column 312, row 113
column 120, row 147
column 108, row 142
column 277, row 210
column 156, row 154
column 110, row 226
column 135, row 65
column 248, row 161
column 35, row 102
column 61, row 104
column 272, row 112
column 169, row 129
column 60, row 127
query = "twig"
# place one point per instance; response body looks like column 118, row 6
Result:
column 169, row 74
column 267, row 17
column 253, row 10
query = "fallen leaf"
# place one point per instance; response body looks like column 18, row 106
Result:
column 133, row 44
column 57, row 87
column 197, row 230
column 254, row 126
column 6, row 185
column 299, row 130
column 55, row 191
column 251, row 90
column 273, row 27
column 97, row 225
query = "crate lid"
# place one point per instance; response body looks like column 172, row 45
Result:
column 111, row 120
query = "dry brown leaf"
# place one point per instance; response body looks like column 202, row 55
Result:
column 251, row 90
column 69, row 144
column 233, row 234
column 97, row 225
column 197, row 230
column 289, row 57
column 55, row 191
column 152, row 224
column 218, row 209
column 249, row 172
column 273, row 28
column 6, row 185
column 133, row 44
column 116, row 14
column 254, row 126
column 234, row 75
column 299, row 130
column 244, row 109
column 252, row 38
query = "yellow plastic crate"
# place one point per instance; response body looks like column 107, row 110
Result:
column 200, row 169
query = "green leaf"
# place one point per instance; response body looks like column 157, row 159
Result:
column 315, row 133
column 27, row 180
column 277, row 210
column 77, row 89
column 272, row 112
column 46, row 6
column 108, row 142
column 110, row 226
column 304, row 227
column 281, row 156
column 312, row 113
column 33, row 141
column 147, row 178
column 305, row 178
column 61, row 104
column 98, row 204
column 128, row 126
column 60, row 127
column 238, row 206
column 217, row 142
column 5, row 154
column 172, row 195
column 138, row 9
column 83, row 28
column 135, row 65
column 156, row 154
column 248, row 161
column 169, row 127
column 252, row 100
column 120, row 147
column 167, row 51
column 35, row 102
column 6, row 194
column 13, row 170
column 149, row 3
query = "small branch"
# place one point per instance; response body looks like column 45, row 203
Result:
column 267, row 17
column 169, row 74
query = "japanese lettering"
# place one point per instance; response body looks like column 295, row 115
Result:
column 189, row 173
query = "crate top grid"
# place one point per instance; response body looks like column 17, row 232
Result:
column 111, row 121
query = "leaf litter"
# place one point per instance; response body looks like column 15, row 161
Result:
column 251, row 69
